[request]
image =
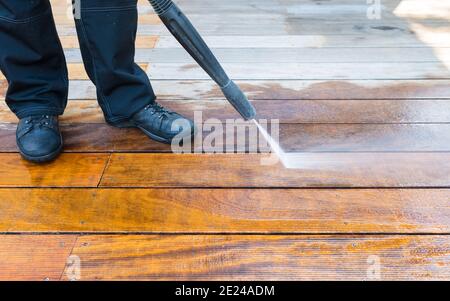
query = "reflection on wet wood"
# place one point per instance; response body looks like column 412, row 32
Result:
column 34, row 258
column 293, row 138
column 250, row 170
column 263, row 257
column 226, row 210
column 364, row 103
column 70, row 170
column 283, row 89
column 306, row 111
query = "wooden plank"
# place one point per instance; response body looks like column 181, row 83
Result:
column 76, row 112
column 293, row 138
column 63, row 18
column 288, row 89
column 306, row 71
column 218, row 257
column 308, row 7
column 298, row 89
column 310, row 41
column 141, row 41
column 278, row 25
column 286, row 111
column 283, row 89
column 34, row 258
column 304, row 170
column 225, row 210
column 73, row 170
column 77, row 71
column 365, row 137
column 273, row 25
column 289, row 55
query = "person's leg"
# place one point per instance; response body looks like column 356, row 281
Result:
column 32, row 59
column 107, row 33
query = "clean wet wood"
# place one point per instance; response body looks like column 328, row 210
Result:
column 100, row 137
column 33, row 257
column 284, row 89
column 226, row 210
column 70, row 170
column 290, row 89
column 305, row 111
column 264, row 171
column 366, row 101
column 264, row 257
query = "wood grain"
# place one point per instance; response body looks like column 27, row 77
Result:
column 250, row 24
column 225, row 210
column 307, row 170
column 307, row 111
column 365, row 104
column 284, row 89
column 288, row 55
column 34, row 258
column 306, row 71
column 214, row 257
column 64, row 19
column 310, row 41
column 73, row 170
column 146, row 42
column 293, row 138
column 289, row 89
column 77, row 71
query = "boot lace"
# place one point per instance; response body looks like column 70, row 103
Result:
column 158, row 110
column 39, row 121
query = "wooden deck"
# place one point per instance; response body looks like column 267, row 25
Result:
column 345, row 89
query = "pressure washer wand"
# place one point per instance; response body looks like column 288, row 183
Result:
column 183, row 30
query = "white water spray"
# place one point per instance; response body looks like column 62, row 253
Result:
column 316, row 160
column 273, row 144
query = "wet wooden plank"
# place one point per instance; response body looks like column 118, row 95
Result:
column 283, row 89
column 288, row 89
column 276, row 257
column 70, row 170
column 291, row 89
column 286, row 111
column 300, row 170
column 365, row 137
column 292, row 138
column 33, row 257
column 225, row 210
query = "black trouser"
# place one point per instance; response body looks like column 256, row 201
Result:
column 32, row 59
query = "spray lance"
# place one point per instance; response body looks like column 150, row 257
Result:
column 183, row 30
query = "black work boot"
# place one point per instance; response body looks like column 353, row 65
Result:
column 38, row 138
column 161, row 124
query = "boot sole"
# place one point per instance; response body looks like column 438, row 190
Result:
column 42, row 159
column 126, row 125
